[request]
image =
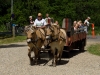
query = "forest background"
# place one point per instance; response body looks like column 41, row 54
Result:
column 58, row 9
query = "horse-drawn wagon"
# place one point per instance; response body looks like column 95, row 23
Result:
column 55, row 39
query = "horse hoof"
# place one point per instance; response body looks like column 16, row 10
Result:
column 54, row 65
column 31, row 63
column 36, row 63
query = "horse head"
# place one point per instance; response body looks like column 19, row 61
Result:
column 30, row 33
column 51, row 31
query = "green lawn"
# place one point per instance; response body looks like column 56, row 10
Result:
column 12, row 40
column 94, row 49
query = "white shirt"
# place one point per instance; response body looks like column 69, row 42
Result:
column 48, row 20
column 86, row 22
column 39, row 23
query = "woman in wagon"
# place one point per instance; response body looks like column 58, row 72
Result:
column 80, row 25
column 40, row 22
column 75, row 25
column 31, row 22
column 86, row 24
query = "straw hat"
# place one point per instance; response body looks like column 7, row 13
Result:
column 30, row 16
column 39, row 14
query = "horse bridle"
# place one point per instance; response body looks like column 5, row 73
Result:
column 33, row 40
column 52, row 30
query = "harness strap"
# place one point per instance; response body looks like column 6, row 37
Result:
column 56, row 35
column 37, row 38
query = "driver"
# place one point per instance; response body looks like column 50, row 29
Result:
column 40, row 22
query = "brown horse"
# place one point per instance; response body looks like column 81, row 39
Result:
column 57, row 39
column 35, row 40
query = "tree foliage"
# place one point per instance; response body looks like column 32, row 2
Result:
column 58, row 9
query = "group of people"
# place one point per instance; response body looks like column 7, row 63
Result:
column 79, row 25
column 40, row 21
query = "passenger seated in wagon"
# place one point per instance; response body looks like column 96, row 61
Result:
column 81, row 26
column 48, row 19
column 56, row 22
column 31, row 22
column 78, row 26
column 75, row 25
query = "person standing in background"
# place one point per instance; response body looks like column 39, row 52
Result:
column 86, row 24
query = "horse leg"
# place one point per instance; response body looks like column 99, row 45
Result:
column 54, row 62
column 60, row 54
column 30, row 58
column 53, row 57
column 36, row 56
column 39, row 55
column 35, row 59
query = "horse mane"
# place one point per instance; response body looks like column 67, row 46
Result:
column 62, row 34
column 40, row 33
column 27, row 28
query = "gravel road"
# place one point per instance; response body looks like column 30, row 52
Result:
column 14, row 61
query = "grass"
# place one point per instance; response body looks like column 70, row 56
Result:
column 94, row 49
column 12, row 39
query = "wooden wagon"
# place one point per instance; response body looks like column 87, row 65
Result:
column 74, row 40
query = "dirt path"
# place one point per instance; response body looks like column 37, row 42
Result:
column 14, row 61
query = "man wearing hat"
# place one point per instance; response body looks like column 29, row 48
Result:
column 86, row 24
column 40, row 22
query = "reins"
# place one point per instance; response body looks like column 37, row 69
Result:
column 52, row 36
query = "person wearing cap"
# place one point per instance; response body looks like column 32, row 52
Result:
column 86, row 24
column 31, row 22
column 40, row 22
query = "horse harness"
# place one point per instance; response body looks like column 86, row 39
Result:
column 34, row 41
column 52, row 37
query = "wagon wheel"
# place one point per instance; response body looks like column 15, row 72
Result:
column 81, row 49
